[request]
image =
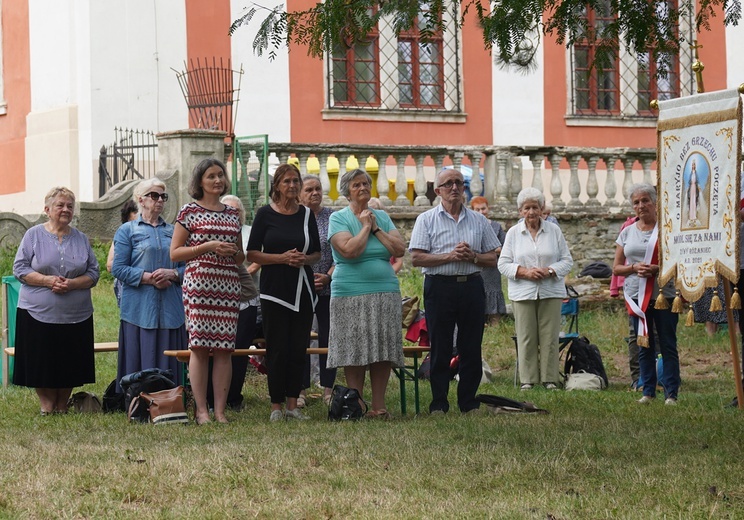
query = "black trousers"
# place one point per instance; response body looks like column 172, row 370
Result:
column 451, row 302
column 286, row 333
column 323, row 314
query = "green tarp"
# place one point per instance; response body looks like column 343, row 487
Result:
column 12, row 289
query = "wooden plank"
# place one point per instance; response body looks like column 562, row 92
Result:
column 110, row 346
column 185, row 355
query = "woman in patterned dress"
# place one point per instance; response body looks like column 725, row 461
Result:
column 207, row 237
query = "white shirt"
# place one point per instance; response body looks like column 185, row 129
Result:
column 547, row 249
column 437, row 232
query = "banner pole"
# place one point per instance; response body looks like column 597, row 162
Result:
column 733, row 343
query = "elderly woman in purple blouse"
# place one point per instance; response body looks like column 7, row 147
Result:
column 54, row 321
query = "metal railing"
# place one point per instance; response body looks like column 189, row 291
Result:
column 133, row 155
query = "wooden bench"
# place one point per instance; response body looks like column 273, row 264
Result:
column 110, row 346
column 404, row 373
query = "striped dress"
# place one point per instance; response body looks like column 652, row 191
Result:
column 211, row 285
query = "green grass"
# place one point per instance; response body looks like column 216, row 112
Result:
column 596, row 455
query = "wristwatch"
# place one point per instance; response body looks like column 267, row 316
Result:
column 475, row 259
column 374, row 232
column 550, row 271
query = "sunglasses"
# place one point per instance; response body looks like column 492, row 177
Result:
column 155, row 196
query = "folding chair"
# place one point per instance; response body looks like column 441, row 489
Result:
column 569, row 328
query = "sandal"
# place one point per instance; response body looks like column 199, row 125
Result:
column 301, row 402
column 379, row 414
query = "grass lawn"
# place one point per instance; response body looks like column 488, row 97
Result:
column 596, row 455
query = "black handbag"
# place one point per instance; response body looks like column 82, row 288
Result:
column 346, row 404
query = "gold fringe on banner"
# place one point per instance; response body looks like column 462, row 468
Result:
column 678, row 306
column 715, row 302
column 661, row 302
column 690, row 321
column 642, row 341
column 736, row 300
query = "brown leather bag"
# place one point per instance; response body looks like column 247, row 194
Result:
column 164, row 407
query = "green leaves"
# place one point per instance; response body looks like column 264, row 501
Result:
column 512, row 29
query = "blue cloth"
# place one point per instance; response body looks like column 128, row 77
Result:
column 436, row 232
column 138, row 248
column 665, row 323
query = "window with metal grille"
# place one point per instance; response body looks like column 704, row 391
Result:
column 397, row 73
column 625, row 85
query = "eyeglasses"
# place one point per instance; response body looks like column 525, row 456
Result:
column 155, row 196
column 448, row 185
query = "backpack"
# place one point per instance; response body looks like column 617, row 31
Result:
column 346, row 405
column 84, row 402
column 148, row 380
column 583, row 356
column 113, row 401
column 500, row 404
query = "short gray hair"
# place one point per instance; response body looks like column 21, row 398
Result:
column 346, row 178
column 310, row 177
column 530, row 195
column 59, row 191
column 146, row 186
column 643, row 188
column 241, row 207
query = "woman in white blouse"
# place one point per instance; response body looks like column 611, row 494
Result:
column 535, row 259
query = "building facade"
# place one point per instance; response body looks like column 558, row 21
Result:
column 70, row 72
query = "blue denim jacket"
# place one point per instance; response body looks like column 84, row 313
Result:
column 139, row 248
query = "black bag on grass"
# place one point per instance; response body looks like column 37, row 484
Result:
column 581, row 355
column 149, row 380
column 113, row 401
column 346, row 404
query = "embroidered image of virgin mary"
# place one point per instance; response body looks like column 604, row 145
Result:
column 696, row 195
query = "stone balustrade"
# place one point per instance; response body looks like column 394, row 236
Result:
column 572, row 178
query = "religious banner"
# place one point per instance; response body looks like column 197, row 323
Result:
column 698, row 163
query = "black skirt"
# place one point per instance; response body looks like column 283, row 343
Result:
column 53, row 355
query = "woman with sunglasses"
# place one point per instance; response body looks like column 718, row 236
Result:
column 152, row 317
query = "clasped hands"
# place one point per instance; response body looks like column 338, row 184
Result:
column 294, row 258
column 161, row 278
column 463, row 253
column 60, row 285
column 534, row 273
column 644, row 270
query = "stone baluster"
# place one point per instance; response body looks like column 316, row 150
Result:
column 610, row 186
column 476, row 185
column 302, row 158
column 438, row 167
column 537, row 181
column 457, row 159
column 283, row 157
column 383, row 187
column 556, row 188
column 646, row 163
column 401, row 182
column 574, row 186
column 490, row 174
column 628, row 163
column 592, row 188
column 420, row 183
column 514, row 171
column 341, row 200
column 325, row 181
column 502, row 180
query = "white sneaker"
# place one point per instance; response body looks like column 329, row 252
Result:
column 551, row 386
column 295, row 414
column 526, row 386
column 646, row 399
column 671, row 401
column 276, row 415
